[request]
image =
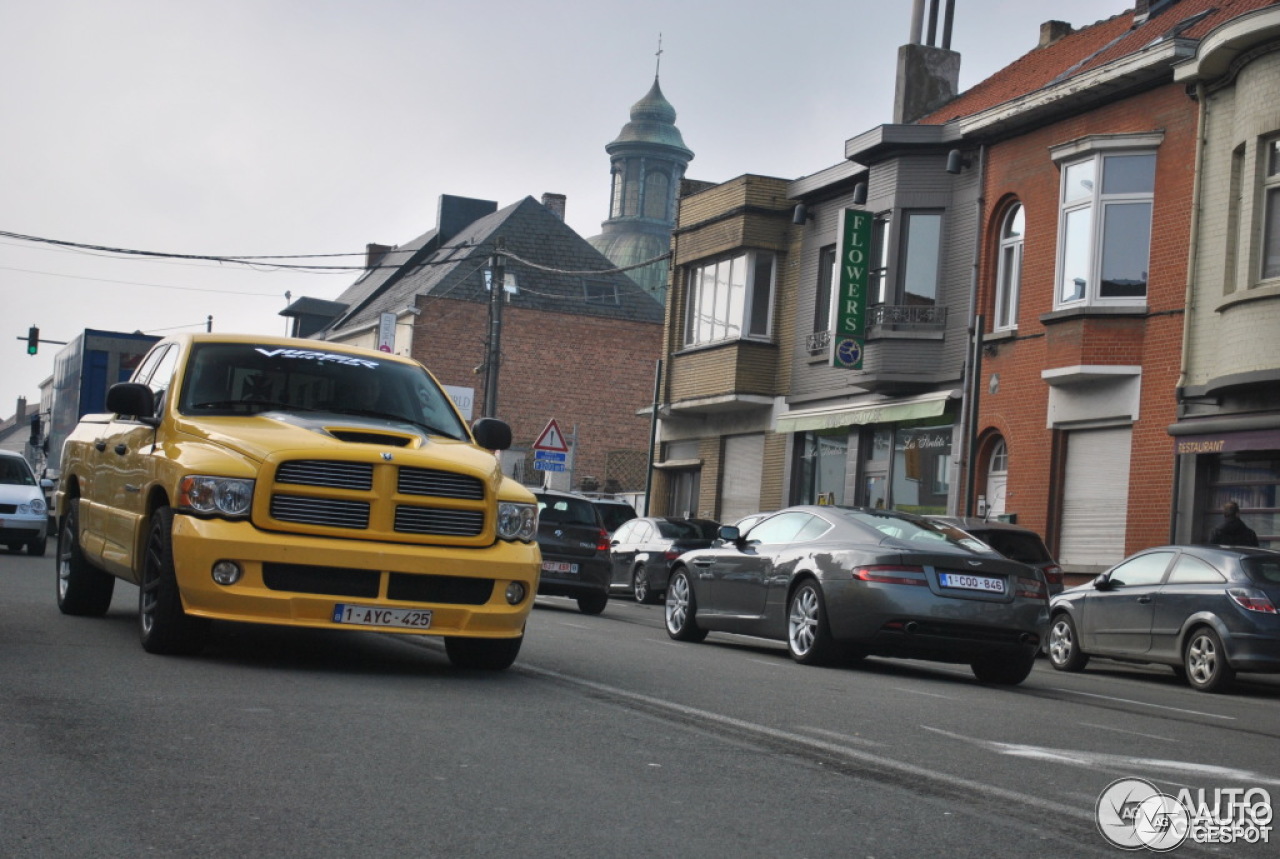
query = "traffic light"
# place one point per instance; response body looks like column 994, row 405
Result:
column 33, row 340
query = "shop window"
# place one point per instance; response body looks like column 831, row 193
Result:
column 730, row 298
column 823, row 457
column 1105, row 228
column 1009, row 269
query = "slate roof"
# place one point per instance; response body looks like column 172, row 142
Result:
column 1091, row 48
column 552, row 264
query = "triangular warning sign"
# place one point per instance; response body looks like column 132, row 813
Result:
column 551, row 438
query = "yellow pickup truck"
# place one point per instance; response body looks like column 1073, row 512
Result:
column 298, row 483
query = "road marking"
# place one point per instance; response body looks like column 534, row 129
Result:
column 962, row 786
column 921, row 692
column 1143, row 704
column 1097, row 760
column 1123, row 731
column 836, row 735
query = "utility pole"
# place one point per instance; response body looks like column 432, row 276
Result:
column 497, row 295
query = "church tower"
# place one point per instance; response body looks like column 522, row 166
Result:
column 647, row 162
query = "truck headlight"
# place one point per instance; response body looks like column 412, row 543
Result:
column 216, row 496
column 517, row 521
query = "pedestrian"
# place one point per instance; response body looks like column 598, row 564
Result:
column 1232, row 531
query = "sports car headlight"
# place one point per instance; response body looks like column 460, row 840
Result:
column 216, row 496
column 517, row 521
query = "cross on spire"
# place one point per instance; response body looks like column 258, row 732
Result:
column 657, row 66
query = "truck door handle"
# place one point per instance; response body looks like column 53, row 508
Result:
column 99, row 446
column 121, row 449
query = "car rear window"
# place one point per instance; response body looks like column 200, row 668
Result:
column 1263, row 569
column 566, row 511
column 1017, row 545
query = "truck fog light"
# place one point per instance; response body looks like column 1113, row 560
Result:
column 515, row 593
column 227, row 572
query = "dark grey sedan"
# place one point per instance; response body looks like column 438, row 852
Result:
column 1208, row 611
column 843, row 583
column 642, row 550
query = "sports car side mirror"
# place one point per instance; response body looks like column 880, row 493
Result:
column 1102, row 582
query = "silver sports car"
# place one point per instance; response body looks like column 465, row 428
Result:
column 843, row 583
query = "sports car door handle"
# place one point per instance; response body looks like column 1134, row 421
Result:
column 1144, row 600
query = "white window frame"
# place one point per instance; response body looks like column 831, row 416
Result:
column 722, row 304
column 1269, row 238
column 1096, row 149
column 1009, row 269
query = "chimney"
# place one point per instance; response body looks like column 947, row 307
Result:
column 21, row 411
column 928, row 75
column 1052, row 31
column 373, row 254
column 554, row 204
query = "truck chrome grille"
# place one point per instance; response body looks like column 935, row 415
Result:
column 331, row 512
column 382, row 499
column 338, row 475
column 443, row 484
column 431, row 520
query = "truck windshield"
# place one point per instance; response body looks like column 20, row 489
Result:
column 244, row 378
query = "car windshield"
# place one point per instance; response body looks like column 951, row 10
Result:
column 14, row 472
column 615, row 514
column 915, row 530
column 688, row 529
column 240, row 378
column 1018, row 545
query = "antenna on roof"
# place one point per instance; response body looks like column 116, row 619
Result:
column 657, row 66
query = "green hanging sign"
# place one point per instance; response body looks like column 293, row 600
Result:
column 851, row 299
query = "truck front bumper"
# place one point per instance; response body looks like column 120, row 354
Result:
column 292, row 580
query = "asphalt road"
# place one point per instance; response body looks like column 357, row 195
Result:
column 605, row 739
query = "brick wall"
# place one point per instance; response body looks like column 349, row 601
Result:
column 588, row 372
column 1021, row 168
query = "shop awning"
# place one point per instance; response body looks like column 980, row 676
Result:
column 888, row 411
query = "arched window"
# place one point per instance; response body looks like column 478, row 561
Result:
column 615, row 210
column 997, row 478
column 1009, row 268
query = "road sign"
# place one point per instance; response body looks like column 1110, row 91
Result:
column 547, row 465
column 549, row 456
column 551, row 438
column 386, row 332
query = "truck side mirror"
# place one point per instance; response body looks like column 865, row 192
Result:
column 132, row 399
column 492, row 434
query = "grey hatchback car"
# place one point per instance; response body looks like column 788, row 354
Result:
column 1207, row 611
column 843, row 583
column 575, row 550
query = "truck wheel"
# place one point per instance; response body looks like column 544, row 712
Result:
column 82, row 588
column 164, row 626
column 482, row 654
column 592, row 603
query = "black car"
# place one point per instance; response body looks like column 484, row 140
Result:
column 843, row 583
column 1012, row 541
column 642, row 551
column 1207, row 611
column 614, row 512
column 575, row 550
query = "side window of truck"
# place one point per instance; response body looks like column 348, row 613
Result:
column 162, row 378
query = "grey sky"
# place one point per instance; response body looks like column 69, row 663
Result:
column 249, row 127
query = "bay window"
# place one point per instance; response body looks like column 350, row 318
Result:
column 1271, row 212
column 730, row 298
column 1105, row 228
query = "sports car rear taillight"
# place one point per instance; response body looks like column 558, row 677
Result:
column 892, row 575
column 1252, row 599
column 1030, row 588
column 670, row 555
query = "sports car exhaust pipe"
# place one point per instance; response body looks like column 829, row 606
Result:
column 910, row 627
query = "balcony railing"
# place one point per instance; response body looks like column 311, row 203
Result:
column 887, row 317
